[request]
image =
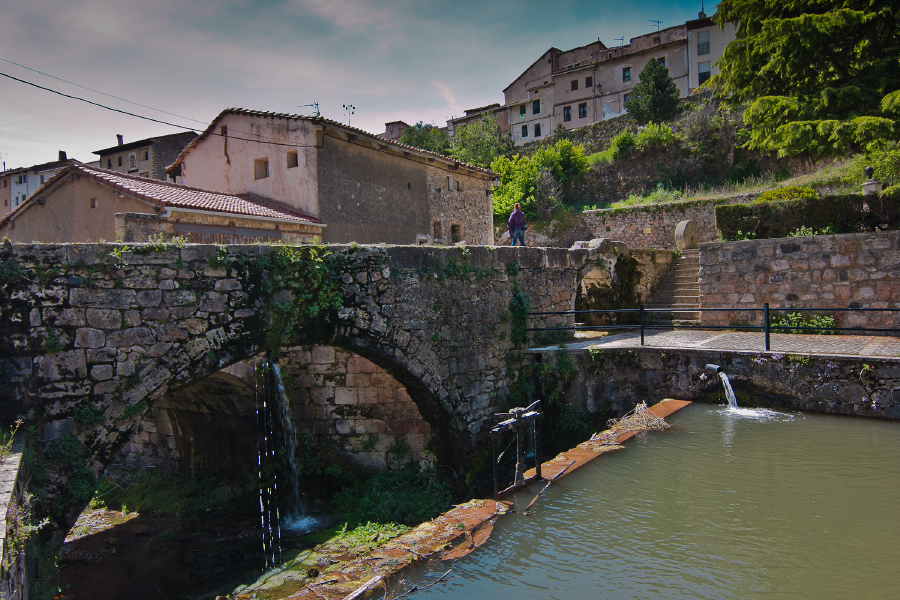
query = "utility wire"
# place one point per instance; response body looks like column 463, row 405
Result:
column 84, row 87
column 124, row 112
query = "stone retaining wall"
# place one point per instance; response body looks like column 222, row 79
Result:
column 857, row 270
column 653, row 226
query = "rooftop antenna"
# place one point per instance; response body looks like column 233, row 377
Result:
column 657, row 23
column 621, row 41
column 351, row 110
column 314, row 105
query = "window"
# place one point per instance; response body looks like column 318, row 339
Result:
column 524, row 130
column 109, row 163
column 582, row 110
column 458, row 186
column 588, row 82
column 703, row 72
column 522, row 110
column 567, row 113
column 536, row 107
column 120, row 161
column 449, row 183
column 145, row 154
column 656, row 40
column 627, row 96
column 574, row 84
column 703, row 43
column 456, row 232
column 292, row 160
column 261, row 168
column 93, row 203
column 42, row 180
column 537, row 130
column 4, row 182
column 661, row 60
column 409, row 185
column 626, row 74
column 436, row 228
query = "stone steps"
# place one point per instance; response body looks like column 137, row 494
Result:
column 679, row 290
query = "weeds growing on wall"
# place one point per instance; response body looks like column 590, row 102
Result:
column 409, row 496
column 519, row 307
column 825, row 323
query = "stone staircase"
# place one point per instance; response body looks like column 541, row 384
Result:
column 679, row 289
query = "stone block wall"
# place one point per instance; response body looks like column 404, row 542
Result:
column 211, row 229
column 366, row 416
column 653, row 226
column 856, row 270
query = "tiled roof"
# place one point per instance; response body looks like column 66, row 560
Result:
column 171, row 195
column 333, row 124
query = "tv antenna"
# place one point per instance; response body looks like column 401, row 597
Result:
column 351, row 110
column 657, row 23
column 621, row 41
column 314, row 105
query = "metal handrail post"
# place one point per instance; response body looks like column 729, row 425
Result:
column 642, row 324
column 768, row 330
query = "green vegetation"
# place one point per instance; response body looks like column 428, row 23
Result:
column 809, row 94
column 804, row 319
column 541, row 182
column 791, row 192
column 481, row 143
column 655, row 97
column 409, row 496
column 426, row 137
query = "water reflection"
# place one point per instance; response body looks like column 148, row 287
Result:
column 735, row 505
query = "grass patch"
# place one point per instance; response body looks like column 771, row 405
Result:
column 409, row 497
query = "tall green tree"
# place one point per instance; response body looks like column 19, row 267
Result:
column 655, row 97
column 822, row 76
column 426, row 137
column 481, row 142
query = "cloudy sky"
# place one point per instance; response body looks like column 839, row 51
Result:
column 410, row 60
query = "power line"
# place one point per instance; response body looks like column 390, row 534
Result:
column 84, row 87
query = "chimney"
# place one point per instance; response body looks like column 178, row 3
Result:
column 701, row 15
column 119, row 137
column 62, row 156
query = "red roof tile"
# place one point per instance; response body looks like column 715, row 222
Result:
column 171, row 195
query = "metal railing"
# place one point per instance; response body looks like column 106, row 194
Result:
column 766, row 327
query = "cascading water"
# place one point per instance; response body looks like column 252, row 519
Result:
column 729, row 393
column 268, row 477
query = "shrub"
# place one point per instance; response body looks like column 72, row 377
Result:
column 655, row 135
column 622, row 144
column 798, row 319
column 409, row 496
column 791, row 192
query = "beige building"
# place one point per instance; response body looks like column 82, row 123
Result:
column 368, row 189
column 578, row 87
column 83, row 204
column 144, row 158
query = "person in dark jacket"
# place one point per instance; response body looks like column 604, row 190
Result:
column 517, row 226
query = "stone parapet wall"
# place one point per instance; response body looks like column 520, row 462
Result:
column 653, row 226
column 200, row 228
column 857, row 270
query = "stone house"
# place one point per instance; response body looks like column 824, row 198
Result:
column 82, row 204
column 584, row 85
column 145, row 158
column 368, row 189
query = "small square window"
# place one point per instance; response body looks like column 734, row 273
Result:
column 409, row 185
column 537, row 130
column 589, row 82
column 93, row 203
column 456, row 233
column 524, row 131
column 536, row 107
column 522, row 110
column 661, row 60
column 626, row 74
column 567, row 113
column 261, row 168
column 109, row 163
column 42, row 180
column 574, row 84
column 458, row 186
column 120, row 161
column 292, row 160
column 145, row 154
column 582, row 110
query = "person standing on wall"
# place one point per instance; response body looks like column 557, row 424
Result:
column 517, row 226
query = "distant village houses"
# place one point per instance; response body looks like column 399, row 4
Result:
column 17, row 185
column 87, row 204
column 145, row 158
column 364, row 187
column 578, row 87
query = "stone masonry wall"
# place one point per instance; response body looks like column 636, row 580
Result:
column 367, row 416
column 653, row 226
column 857, row 270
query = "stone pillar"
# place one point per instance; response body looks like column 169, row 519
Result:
column 871, row 186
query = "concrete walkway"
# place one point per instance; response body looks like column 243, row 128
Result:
column 746, row 341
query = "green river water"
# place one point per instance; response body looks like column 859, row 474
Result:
column 725, row 505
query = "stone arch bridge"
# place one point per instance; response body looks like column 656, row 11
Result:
column 104, row 330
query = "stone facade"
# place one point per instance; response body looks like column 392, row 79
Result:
column 857, row 270
column 366, row 416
